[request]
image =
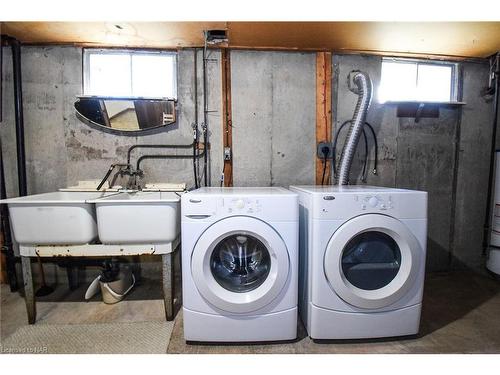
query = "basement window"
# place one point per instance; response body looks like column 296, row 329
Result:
column 129, row 73
column 405, row 80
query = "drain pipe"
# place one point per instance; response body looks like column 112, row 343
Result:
column 206, row 177
column 494, row 75
column 364, row 91
column 5, row 228
column 195, row 123
column 1, row 78
column 18, row 104
column 21, row 157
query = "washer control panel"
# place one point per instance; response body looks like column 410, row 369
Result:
column 240, row 205
column 375, row 202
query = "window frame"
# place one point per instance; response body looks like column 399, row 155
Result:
column 455, row 75
column 116, row 51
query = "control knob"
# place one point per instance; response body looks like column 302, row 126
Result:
column 373, row 201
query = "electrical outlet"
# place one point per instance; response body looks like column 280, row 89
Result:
column 227, row 153
column 320, row 148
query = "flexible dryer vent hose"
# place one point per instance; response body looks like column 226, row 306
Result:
column 364, row 91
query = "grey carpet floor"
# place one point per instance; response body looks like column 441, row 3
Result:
column 105, row 338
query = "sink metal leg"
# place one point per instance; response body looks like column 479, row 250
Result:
column 72, row 273
column 29, row 291
column 137, row 269
column 168, row 283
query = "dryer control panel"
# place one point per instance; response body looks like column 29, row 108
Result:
column 242, row 205
column 348, row 205
column 371, row 202
column 347, row 202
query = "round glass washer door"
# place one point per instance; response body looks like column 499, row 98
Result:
column 372, row 260
column 240, row 264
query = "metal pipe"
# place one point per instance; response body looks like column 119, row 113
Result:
column 195, row 124
column 21, row 159
column 205, row 111
column 193, row 145
column 195, row 62
column 5, row 228
column 173, row 146
column 1, row 77
column 144, row 157
column 18, row 104
column 487, row 220
column 364, row 92
column 195, row 157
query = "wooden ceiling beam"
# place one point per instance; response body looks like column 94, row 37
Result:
column 427, row 39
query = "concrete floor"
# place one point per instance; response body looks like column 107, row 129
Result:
column 461, row 314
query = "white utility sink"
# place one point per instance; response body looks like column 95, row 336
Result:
column 138, row 217
column 54, row 218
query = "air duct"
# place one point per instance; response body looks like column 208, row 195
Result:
column 363, row 89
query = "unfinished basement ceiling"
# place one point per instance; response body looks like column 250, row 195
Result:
column 458, row 39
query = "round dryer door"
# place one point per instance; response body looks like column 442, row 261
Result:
column 240, row 264
column 372, row 260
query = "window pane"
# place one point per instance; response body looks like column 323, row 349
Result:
column 123, row 73
column 399, row 81
column 153, row 75
column 109, row 75
column 434, row 82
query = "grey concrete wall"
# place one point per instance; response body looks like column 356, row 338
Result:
column 423, row 156
column 273, row 97
column 274, row 118
column 60, row 149
column 473, row 167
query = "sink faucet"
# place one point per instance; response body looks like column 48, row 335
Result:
column 108, row 173
column 133, row 182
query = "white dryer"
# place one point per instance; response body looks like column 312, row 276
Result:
column 239, row 264
column 362, row 260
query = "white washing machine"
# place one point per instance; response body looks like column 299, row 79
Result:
column 239, row 264
column 362, row 260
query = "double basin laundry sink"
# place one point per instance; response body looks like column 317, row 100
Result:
column 74, row 218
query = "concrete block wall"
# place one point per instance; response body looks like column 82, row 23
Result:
column 273, row 104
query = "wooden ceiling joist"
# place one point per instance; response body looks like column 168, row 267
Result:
column 455, row 39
